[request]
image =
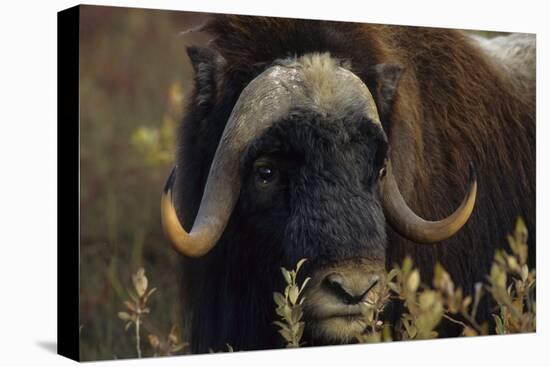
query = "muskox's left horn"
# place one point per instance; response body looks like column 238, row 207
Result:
column 405, row 222
column 205, row 230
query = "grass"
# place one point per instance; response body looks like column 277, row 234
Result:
column 134, row 76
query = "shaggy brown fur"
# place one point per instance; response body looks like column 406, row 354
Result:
column 455, row 104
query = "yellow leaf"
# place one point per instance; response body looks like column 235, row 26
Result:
column 468, row 331
column 124, row 316
column 174, row 336
column 154, row 341
column 140, row 282
column 293, row 294
column 286, row 275
column 413, row 281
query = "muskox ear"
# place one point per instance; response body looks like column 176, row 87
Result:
column 382, row 80
column 207, row 64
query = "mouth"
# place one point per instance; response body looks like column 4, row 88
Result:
column 340, row 324
column 330, row 311
column 338, row 328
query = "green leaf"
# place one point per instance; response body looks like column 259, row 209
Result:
column 279, row 299
column 413, row 281
column 280, row 311
column 392, row 274
column 281, row 325
column 293, row 294
column 524, row 272
column 468, row 331
column 366, row 310
column 407, row 265
column 300, row 331
column 386, row 336
column 125, row 316
column 466, row 303
column 439, row 276
column 409, row 328
column 427, row 299
column 521, row 231
column 499, row 327
column 286, row 275
column 140, row 282
column 296, row 315
column 304, row 284
column 148, row 294
column 299, row 265
column 285, row 333
column 128, row 325
column 498, row 276
column 374, row 338
column 287, row 312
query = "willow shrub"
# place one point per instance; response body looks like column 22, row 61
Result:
column 510, row 284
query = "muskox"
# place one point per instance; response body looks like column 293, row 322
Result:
column 351, row 145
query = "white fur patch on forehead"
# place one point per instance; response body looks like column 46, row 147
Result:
column 319, row 79
column 331, row 88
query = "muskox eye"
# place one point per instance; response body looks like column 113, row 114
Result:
column 265, row 174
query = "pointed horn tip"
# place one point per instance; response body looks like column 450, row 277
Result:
column 187, row 244
column 419, row 230
column 171, row 226
column 170, row 181
column 472, row 174
column 170, row 223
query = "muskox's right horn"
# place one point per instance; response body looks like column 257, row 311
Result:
column 265, row 100
column 405, row 222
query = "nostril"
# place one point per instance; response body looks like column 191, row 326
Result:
column 336, row 284
column 335, row 280
column 372, row 284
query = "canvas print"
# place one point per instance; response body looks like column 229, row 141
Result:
column 251, row 183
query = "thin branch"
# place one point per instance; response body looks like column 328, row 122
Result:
column 138, row 341
column 455, row 320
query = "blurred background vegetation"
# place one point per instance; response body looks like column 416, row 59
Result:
column 135, row 76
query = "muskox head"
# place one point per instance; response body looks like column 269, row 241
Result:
column 305, row 157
